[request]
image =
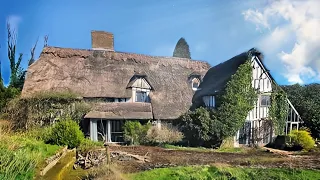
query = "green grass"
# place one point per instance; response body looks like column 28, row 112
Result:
column 227, row 173
column 202, row 149
column 20, row 156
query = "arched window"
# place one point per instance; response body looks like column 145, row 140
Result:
column 195, row 83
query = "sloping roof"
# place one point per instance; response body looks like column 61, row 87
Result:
column 216, row 79
column 120, row 110
column 94, row 73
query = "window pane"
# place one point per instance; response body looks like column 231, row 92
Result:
column 265, row 100
column 141, row 96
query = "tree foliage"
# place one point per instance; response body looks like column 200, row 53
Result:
column 17, row 73
column 182, row 49
column 197, row 126
column 209, row 127
column 306, row 100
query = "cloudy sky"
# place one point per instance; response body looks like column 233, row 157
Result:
column 286, row 31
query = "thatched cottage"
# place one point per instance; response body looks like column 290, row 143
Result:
column 256, row 130
column 127, row 86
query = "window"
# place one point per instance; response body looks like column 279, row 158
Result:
column 195, row 83
column 209, row 101
column 265, row 100
column 141, row 96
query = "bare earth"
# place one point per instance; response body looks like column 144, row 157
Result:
column 160, row 157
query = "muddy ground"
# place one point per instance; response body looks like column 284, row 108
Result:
column 160, row 157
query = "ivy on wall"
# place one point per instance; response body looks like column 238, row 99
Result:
column 279, row 108
column 209, row 127
column 45, row 108
column 237, row 100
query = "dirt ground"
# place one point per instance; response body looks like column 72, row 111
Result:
column 160, row 157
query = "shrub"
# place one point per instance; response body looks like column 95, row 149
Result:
column 87, row 145
column 66, row 132
column 199, row 127
column 162, row 135
column 302, row 138
column 135, row 133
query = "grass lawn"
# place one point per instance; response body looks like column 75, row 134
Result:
column 211, row 172
column 20, row 156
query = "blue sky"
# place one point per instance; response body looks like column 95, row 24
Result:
column 214, row 30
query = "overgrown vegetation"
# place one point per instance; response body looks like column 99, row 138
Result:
column 135, row 133
column 209, row 127
column 211, row 172
column 66, row 132
column 45, row 108
column 302, row 138
column 21, row 154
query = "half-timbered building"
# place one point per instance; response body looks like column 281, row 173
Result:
column 258, row 127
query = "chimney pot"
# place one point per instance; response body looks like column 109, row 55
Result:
column 101, row 40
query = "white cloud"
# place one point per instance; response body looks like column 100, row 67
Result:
column 302, row 19
column 274, row 40
column 257, row 18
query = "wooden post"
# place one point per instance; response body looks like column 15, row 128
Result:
column 108, row 157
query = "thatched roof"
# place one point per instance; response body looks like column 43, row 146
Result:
column 218, row 76
column 94, row 73
column 120, row 110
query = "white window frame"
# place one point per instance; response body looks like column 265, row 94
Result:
column 195, row 80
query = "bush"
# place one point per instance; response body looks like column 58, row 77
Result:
column 87, row 145
column 162, row 135
column 200, row 128
column 66, row 132
column 135, row 133
column 302, row 138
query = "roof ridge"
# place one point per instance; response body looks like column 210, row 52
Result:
column 49, row 49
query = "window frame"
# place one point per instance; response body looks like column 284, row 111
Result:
column 195, row 81
column 263, row 97
column 143, row 98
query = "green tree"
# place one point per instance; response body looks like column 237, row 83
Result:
column 196, row 126
column 182, row 49
column 306, row 101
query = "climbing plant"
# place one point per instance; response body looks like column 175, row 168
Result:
column 236, row 101
column 207, row 128
column 278, row 111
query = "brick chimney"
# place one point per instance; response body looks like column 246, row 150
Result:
column 101, row 40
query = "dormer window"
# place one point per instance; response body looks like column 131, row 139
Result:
column 195, row 83
column 140, row 88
